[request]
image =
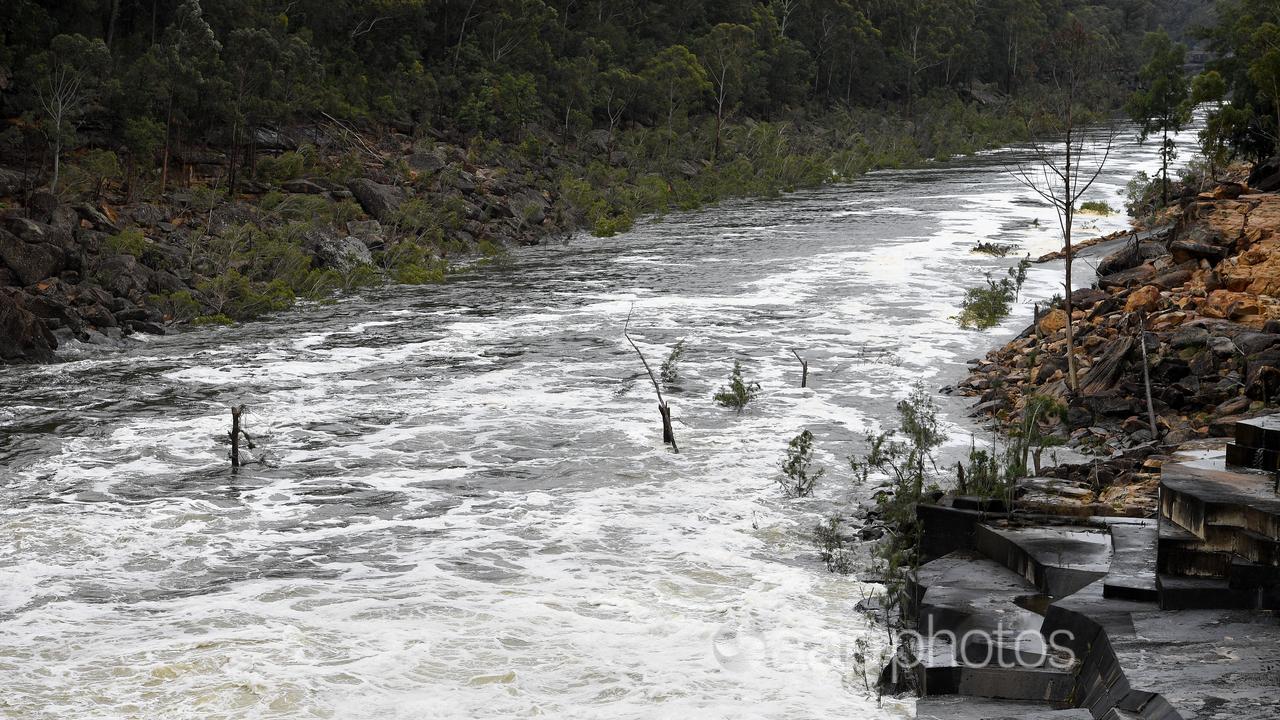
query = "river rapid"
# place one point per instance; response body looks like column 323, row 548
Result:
column 464, row 507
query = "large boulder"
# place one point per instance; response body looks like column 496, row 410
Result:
column 12, row 182
column 426, row 162
column 344, row 254
column 23, row 336
column 528, row 206
column 334, row 251
column 381, row 201
column 30, row 262
column 1266, row 175
column 124, row 276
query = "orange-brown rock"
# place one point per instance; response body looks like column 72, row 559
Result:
column 1144, row 299
column 1053, row 321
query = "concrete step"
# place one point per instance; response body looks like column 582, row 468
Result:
column 957, row 707
column 1201, row 493
column 1199, row 593
column 1259, row 432
column 1132, row 575
column 1044, row 685
column 1057, row 560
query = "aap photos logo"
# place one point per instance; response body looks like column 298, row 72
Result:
column 740, row 646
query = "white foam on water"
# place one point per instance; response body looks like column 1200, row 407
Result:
column 465, row 507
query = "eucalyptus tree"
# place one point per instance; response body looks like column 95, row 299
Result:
column 1161, row 105
column 65, row 79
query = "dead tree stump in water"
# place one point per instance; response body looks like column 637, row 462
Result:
column 664, row 410
column 804, row 369
column 236, row 433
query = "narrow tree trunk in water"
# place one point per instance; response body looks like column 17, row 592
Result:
column 804, row 369
column 668, row 435
column 235, row 436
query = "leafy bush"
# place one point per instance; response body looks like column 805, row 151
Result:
column 286, row 166
column 830, row 542
column 177, row 307
column 490, row 249
column 1097, row 207
column 129, row 241
column 738, row 392
column 92, row 172
column 798, row 480
column 1142, row 196
column 984, row 307
column 215, row 319
column 907, row 463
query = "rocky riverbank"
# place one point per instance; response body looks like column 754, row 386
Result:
column 1201, row 294
column 310, row 223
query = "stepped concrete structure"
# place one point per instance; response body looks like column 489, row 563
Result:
column 1043, row 617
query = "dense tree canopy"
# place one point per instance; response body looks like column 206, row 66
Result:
column 1247, row 41
column 208, row 71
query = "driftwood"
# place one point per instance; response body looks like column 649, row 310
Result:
column 664, row 410
column 1104, row 374
column 804, row 369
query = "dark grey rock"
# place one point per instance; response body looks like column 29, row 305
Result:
column 380, row 201
column 123, row 275
column 23, row 336
column 30, row 262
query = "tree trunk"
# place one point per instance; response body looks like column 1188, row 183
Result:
column 168, row 132
column 57, row 153
column 111, row 22
column 1164, row 166
column 1073, row 380
column 232, row 156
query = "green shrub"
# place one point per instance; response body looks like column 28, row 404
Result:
column 798, row 480
column 1096, row 207
column 286, row 166
column 129, row 241
column 490, row 249
column 907, row 463
column 984, row 307
column 417, row 274
column 91, row 172
column 738, row 392
column 215, row 319
column 670, row 370
column 177, row 307
column 610, row 225
column 830, row 542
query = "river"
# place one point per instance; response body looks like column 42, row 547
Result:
column 465, row 508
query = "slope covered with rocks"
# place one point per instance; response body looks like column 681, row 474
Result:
column 1201, row 295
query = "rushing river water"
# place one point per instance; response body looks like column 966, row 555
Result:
column 466, row 509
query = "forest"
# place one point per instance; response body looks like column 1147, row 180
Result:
column 141, row 78
column 263, row 138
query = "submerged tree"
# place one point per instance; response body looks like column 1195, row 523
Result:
column 738, row 392
column 1161, row 104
